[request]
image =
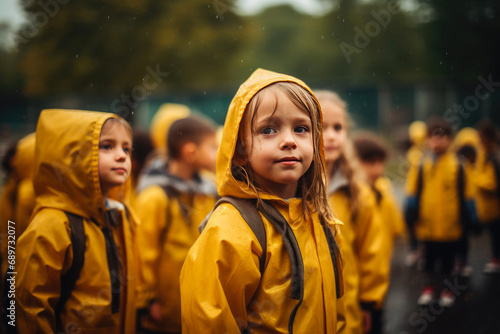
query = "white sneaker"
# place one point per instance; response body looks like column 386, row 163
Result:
column 447, row 299
column 492, row 267
column 426, row 296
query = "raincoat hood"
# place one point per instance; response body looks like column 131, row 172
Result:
column 417, row 132
column 467, row 136
column 67, row 162
column 163, row 119
column 227, row 185
column 24, row 158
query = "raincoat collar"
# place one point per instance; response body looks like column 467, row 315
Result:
column 157, row 174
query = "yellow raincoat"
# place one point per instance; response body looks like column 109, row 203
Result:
column 67, row 179
column 365, row 275
column 165, row 237
column 439, row 212
column 486, row 182
column 18, row 195
column 222, row 290
column 392, row 216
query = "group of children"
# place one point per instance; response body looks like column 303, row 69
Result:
column 294, row 234
column 452, row 191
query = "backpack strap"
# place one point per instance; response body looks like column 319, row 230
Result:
column 248, row 211
column 69, row 278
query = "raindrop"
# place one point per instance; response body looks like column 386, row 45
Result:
column 216, row 16
column 108, row 17
column 241, row 61
column 132, row 112
column 441, row 63
column 204, row 93
column 91, row 85
column 77, row 55
column 208, row 6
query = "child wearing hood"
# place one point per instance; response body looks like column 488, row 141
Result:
column 365, row 273
column 272, row 155
column 82, row 159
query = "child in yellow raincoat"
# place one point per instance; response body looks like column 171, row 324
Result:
column 271, row 152
column 81, row 157
column 366, row 276
column 487, row 181
column 18, row 196
column 441, row 197
column 372, row 154
column 173, row 200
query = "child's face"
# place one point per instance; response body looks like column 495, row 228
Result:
column 206, row 153
column 281, row 147
column 334, row 130
column 115, row 146
column 438, row 144
column 373, row 170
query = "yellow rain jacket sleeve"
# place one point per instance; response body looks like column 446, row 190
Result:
column 366, row 275
column 439, row 214
column 486, row 182
column 67, row 180
column 165, row 239
column 222, row 289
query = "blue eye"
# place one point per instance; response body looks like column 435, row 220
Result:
column 126, row 150
column 105, row 146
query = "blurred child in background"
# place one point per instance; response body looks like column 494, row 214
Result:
column 366, row 276
column 76, row 260
column 487, row 181
column 440, row 195
column 372, row 154
column 417, row 131
column 141, row 155
column 272, row 155
column 466, row 147
column 18, row 196
column 173, row 200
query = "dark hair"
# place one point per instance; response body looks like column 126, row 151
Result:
column 192, row 129
column 437, row 126
column 488, row 130
column 369, row 147
column 468, row 153
column 7, row 158
column 143, row 146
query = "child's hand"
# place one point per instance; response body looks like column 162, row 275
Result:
column 367, row 321
column 155, row 312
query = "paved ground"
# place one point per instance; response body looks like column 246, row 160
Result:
column 476, row 311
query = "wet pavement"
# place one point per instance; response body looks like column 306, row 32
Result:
column 477, row 306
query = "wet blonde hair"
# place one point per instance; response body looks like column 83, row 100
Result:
column 347, row 162
column 312, row 185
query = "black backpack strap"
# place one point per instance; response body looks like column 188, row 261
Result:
column 69, row 278
column 336, row 259
column 292, row 248
column 248, row 211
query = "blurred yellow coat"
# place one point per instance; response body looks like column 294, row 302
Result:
column 222, row 290
column 67, row 179
column 365, row 275
column 439, row 213
column 18, row 196
column 487, row 199
column 165, row 239
column 392, row 216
